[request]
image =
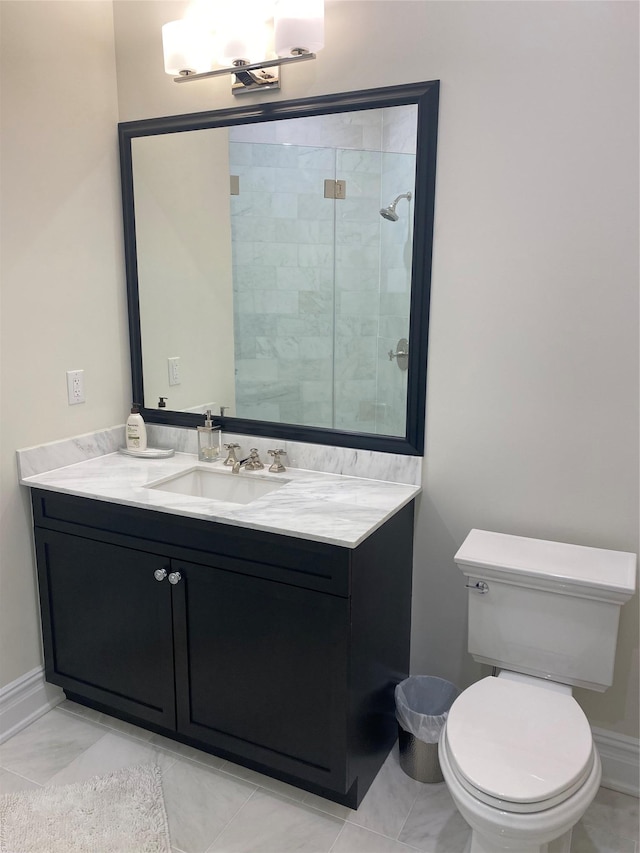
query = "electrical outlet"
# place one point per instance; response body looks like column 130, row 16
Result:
column 75, row 387
column 174, row 370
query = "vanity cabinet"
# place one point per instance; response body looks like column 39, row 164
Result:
column 276, row 652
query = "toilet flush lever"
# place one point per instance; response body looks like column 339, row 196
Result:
column 479, row 586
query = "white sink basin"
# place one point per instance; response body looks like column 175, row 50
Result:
column 218, row 485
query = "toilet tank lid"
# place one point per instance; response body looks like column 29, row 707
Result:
column 558, row 562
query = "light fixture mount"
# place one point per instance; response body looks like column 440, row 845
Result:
column 250, row 76
column 248, row 81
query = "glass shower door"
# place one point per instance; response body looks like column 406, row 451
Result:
column 321, row 285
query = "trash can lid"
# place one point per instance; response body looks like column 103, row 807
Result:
column 519, row 742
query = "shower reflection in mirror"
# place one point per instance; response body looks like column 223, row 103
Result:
column 309, row 292
column 321, row 286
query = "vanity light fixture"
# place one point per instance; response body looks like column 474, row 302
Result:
column 235, row 35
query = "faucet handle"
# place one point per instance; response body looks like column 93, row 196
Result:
column 231, row 454
column 277, row 467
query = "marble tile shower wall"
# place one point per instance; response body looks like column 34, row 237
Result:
column 396, row 248
column 283, row 257
column 312, row 275
column 357, row 283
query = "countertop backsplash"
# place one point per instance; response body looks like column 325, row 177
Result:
column 390, row 467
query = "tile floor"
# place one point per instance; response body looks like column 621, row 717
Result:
column 215, row 806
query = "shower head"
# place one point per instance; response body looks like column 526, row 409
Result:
column 390, row 212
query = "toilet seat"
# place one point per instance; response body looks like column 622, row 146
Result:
column 516, row 746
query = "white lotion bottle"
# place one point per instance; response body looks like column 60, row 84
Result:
column 136, row 430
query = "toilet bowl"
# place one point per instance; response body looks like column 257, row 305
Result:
column 516, row 751
column 520, row 763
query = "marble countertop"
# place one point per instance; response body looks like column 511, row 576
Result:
column 332, row 508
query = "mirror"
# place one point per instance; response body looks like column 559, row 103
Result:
column 278, row 265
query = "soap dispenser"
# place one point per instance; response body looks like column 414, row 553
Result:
column 208, row 447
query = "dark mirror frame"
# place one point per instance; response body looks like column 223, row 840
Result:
column 425, row 97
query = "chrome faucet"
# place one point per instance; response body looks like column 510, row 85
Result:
column 251, row 463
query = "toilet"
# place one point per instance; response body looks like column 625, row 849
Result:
column 516, row 751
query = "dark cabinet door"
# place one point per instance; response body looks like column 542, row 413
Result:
column 107, row 624
column 261, row 671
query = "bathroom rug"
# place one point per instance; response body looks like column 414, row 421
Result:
column 122, row 812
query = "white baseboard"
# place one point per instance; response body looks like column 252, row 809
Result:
column 620, row 757
column 24, row 700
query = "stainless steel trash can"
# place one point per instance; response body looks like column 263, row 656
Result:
column 418, row 759
column 422, row 707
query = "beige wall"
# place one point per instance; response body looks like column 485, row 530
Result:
column 183, row 246
column 63, row 304
column 532, row 409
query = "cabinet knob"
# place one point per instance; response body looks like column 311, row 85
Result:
column 160, row 574
column 175, row 577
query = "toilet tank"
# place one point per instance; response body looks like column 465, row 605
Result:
column 543, row 608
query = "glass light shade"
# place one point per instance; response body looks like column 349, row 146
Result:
column 203, row 13
column 186, row 47
column 299, row 24
column 240, row 38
